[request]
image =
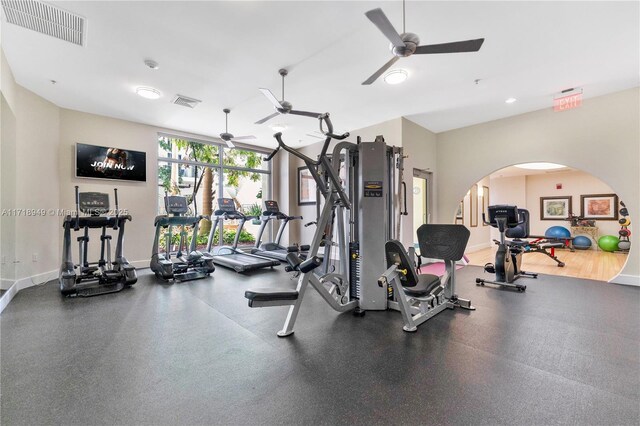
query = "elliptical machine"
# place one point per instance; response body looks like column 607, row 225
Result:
column 508, row 257
column 103, row 276
column 184, row 266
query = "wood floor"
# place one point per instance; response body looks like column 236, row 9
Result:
column 589, row 264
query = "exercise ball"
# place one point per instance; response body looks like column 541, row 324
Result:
column 608, row 243
column 624, row 212
column 624, row 233
column 624, row 245
column 581, row 242
column 557, row 232
column 624, row 221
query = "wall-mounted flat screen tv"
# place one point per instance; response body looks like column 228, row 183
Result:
column 103, row 162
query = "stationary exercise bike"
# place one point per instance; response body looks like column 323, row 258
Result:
column 508, row 257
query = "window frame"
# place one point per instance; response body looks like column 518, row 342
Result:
column 220, row 165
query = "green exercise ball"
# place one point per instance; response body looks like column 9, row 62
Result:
column 608, row 243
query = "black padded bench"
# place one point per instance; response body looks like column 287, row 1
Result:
column 270, row 297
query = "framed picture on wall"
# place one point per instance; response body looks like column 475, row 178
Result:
column 473, row 206
column 485, row 203
column 555, row 208
column 460, row 213
column 307, row 193
column 599, row 206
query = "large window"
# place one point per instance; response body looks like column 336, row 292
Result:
column 212, row 171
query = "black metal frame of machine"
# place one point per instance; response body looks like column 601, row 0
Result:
column 103, row 276
column 231, row 256
column 361, row 212
column 274, row 249
column 181, row 265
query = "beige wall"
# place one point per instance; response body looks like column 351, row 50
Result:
column 36, row 175
column 419, row 147
column 30, row 137
column 508, row 190
column 525, row 192
column 600, row 138
column 392, row 132
column 574, row 184
column 139, row 198
column 8, row 140
column 7, row 190
column 480, row 236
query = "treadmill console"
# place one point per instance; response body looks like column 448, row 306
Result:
column 93, row 203
column 271, row 206
column 176, row 204
column 227, row 205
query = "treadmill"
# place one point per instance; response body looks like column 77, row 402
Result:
column 231, row 256
column 274, row 250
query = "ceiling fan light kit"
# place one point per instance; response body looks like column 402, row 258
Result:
column 406, row 44
column 396, row 76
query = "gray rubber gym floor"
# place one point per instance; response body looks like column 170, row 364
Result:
column 566, row 351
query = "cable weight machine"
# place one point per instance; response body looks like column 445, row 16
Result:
column 360, row 212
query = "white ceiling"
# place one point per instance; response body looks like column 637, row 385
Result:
column 221, row 52
column 517, row 171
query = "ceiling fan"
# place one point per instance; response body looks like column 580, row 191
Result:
column 282, row 107
column 406, row 44
column 228, row 137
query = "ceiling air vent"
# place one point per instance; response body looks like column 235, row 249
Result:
column 186, row 101
column 46, row 19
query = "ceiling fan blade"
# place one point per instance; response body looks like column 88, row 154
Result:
column 230, row 144
column 381, row 21
column 378, row 73
column 243, row 138
column 305, row 113
column 453, row 47
column 267, row 93
column 317, row 135
column 267, row 118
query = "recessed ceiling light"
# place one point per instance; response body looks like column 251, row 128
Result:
column 278, row 127
column 396, row 76
column 540, row 166
column 148, row 92
column 510, row 100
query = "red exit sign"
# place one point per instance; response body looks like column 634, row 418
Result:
column 567, row 102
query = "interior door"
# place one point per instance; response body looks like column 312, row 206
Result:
column 422, row 205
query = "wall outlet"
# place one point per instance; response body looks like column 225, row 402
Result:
column 34, row 257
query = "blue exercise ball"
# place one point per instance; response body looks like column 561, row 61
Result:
column 557, row 232
column 581, row 242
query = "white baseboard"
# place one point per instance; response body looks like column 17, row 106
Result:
column 7, row 296
column 14, row 286
column 23, row 283
column 626, row 280
column 6, row 284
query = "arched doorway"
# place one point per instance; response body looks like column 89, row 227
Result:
column 562, row 202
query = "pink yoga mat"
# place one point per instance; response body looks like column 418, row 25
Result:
column 435, row 268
